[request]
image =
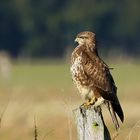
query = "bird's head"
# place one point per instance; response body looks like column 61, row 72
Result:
column 86, row 38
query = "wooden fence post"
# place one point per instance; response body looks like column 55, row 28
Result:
column 90, row 124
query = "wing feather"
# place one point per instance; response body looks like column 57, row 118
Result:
column 99, row 74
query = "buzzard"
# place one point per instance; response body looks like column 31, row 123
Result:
column 92, row 76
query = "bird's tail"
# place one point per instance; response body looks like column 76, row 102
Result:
column 113, row 115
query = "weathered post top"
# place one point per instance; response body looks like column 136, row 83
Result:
column 90, row 124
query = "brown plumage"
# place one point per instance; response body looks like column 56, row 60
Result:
column 92, row 76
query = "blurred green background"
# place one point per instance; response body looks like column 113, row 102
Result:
column 36, row 41
column 47, row 28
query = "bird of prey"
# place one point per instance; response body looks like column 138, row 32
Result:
column 92, row 76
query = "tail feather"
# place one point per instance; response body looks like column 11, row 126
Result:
column 113, row 115
column 117, row 108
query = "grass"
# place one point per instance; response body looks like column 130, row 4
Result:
column 47, row 92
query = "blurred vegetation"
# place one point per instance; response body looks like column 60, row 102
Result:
column 46, row 28
column 47, row 92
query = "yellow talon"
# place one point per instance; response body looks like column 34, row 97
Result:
column 92, row 101
column 89, row 102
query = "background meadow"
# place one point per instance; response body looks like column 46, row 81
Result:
column 45, row 91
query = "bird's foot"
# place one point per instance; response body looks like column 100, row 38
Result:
column 93, row 101
column 89, row 103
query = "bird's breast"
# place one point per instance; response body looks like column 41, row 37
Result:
column 79, row 77
column 77, row 70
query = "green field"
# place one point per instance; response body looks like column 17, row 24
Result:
column 47, row 92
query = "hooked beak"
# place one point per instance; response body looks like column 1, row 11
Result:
column 76, row 40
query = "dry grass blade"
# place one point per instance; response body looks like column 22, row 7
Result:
column 35, row 129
